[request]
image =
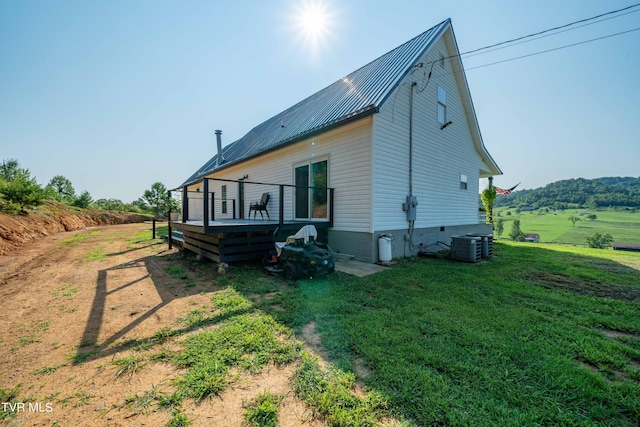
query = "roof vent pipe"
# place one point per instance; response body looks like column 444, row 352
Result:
column 220, row 158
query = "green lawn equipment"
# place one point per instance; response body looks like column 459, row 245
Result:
column 300, row 256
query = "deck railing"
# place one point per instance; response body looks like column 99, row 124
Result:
column 216, row 198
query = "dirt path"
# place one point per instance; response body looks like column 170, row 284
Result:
column 73, row 302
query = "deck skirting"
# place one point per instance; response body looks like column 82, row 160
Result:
column 230, row 246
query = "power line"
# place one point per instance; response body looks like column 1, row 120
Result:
column 550, row 29
column 554, row 49
column 549, row 35
column 459, row 55
column 519, row 39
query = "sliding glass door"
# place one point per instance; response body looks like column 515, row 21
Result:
column 311, row 180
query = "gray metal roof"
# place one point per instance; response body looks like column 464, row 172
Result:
column 356, row 95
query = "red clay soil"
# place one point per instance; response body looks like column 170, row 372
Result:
column 69, row 305
column 51, row 218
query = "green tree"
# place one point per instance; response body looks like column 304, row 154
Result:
column 600, row 241
column 84, row 200
column 9, row 169
column 18, row 190
column 516, row 234
column 110, row 204
column 61, row 189
column 574, row 219
column 140, row 205
column 157, row 198
column 498, row 227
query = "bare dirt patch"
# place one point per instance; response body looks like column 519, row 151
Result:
column 584, row 287
column 610, row 333
column 314, row 342
column 74, row 303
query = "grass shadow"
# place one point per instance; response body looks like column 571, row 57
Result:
column 152, row 278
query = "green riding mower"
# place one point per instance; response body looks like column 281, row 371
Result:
column 300, row 256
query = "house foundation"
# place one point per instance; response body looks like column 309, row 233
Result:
column 364, row 246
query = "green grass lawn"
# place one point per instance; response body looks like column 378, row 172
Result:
column 556, row 228
column 539, row 335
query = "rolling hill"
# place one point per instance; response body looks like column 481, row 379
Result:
column 578, row 193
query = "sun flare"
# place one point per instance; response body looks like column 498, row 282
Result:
column 313, row 20
column 313, row 23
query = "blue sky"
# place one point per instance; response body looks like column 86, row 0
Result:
column 116, row 95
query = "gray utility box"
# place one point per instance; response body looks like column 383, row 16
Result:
column 466, row 248
column 487, row 243
column 410, row 207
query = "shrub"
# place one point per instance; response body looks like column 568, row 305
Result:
column 600, row 241
column 19, row 194
column 84, row 200
column 487, row 196
column 18, row 190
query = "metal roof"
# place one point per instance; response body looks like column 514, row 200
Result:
column 356, row 95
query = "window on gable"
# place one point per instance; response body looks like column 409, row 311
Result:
column 442, row 105
column 441, row 60
column 463, row 182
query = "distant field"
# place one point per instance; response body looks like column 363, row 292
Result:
column 556, row 227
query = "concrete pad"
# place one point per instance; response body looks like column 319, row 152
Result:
column 357, row 268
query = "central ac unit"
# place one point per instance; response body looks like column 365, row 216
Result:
column 466, row 248
column 487, row 243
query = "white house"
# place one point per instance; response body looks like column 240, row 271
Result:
column 397, row 140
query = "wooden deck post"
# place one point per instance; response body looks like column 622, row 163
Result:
column 331, row 195
column 281, row 205
column 205, row 205
column 185, row 204
column 168, row 224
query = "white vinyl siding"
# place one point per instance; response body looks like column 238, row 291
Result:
column 439, row 156
column 348, row 151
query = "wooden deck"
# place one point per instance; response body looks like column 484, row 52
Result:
column 235, row 239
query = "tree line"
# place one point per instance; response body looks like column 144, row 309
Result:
column 578, row 193
column 20, row 191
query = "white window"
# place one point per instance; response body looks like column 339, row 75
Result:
column 442, row 105
column 463, row 182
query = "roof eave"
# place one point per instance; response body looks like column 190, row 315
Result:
column 445, row 25
column 493, row 167
column 367, row 111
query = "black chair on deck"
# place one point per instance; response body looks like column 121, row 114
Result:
column 259, row 206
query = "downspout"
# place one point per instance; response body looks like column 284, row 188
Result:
column 410, row 198
column 411, row 138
